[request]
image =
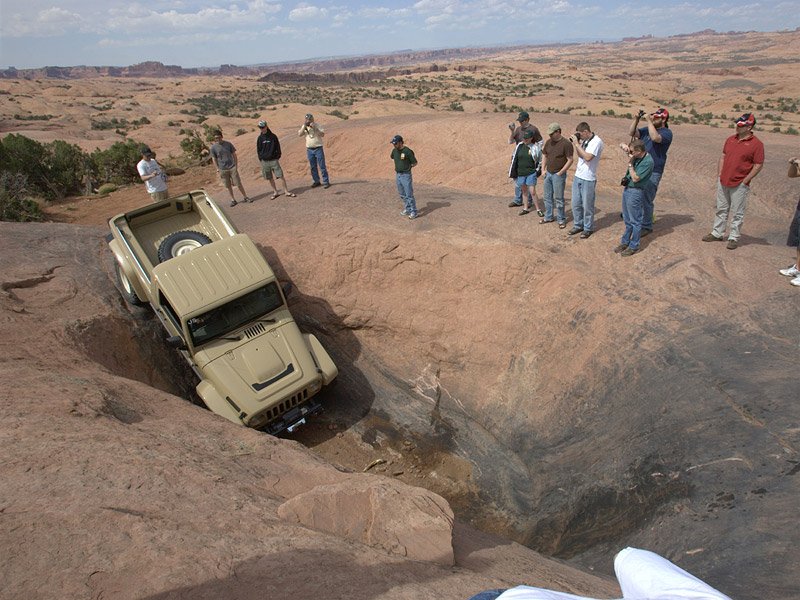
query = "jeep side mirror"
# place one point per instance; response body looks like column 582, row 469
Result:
column 287, row 289
column 176, row 341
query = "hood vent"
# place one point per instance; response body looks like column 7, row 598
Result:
column 255, row 330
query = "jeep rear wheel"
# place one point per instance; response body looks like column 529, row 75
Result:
column 181, row 242
column 125, row 287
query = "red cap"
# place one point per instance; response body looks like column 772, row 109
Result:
column 747, row 119
column 661, row 113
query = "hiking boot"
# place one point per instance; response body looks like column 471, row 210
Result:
column 585, row 234
column 316, row 184
column 792, row 271
column 629, row 251
column 620, row 248
column 574, row 230
column 732, row 244
column 645, row 232
column 710, row 237
column 514, row 205
column 326, row 185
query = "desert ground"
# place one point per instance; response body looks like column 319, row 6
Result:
column 553, row 392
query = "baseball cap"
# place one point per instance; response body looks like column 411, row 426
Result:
column 527, row 134
column 145, row 150
column 523, row 116
column 309, row 116
column 396, row 139
column 661, row 113
column 262, row 124
column 747, row 119
column 553, row 127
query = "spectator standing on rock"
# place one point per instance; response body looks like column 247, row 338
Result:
column 794, row 230
column 268, row 148
column 525, row 124
column 526, row 162
column 223, row 153
column 657, row 137
column 635, row 182
column 742, row 159
column 404, row 161
column 154, row 177
column 588, row 147
column 556, row 161
column 316, row 155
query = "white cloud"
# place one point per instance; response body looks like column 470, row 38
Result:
column 307, row 12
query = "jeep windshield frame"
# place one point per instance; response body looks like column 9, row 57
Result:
column 234, row 314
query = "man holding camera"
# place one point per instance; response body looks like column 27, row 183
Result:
column 556, row 161
column 657, row 137
column 316, row 155
column 635, row 184
column 588, row 147
column 742, row 159
column 516, row 137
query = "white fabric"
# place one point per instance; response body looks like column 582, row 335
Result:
column 642, row 575
column 156, row 184
column 588, row 169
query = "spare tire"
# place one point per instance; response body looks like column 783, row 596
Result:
column 181, row 242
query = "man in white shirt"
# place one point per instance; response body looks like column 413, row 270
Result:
column 155, row 180
column 588, row 146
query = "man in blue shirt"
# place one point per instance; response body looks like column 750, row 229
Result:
column 657, row 137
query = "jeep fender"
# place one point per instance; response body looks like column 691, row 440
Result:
column 127, row 268
column 216, row 403
column 320, row 356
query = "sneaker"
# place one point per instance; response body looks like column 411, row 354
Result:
column 732, row 244
column 404, row 213
column 710, row 237
column 792, row 271
column 524, row 211
column 795, row 281
column 412, row 216
column 620, row 248
column 316, row 184
column 629, row 251
column 645, row 232
column 234, row 203
column 574, row 230
column 585, row 234
column 514, row 205
column 326, row 185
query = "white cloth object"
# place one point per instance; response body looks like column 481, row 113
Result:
column 642, row 575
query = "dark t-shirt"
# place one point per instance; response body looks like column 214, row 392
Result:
column 657, row 150
column 517, row 135
column 526, row 165
column 223, row 153
column 557, row 153
column 404, row 159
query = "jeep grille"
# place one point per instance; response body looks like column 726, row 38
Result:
column 280, row 408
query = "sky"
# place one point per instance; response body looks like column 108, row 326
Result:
column 209, row 33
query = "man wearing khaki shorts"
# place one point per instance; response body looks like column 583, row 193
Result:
column 223, row 154
column 269, row 151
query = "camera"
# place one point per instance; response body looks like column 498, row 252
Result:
column 640, row 115
column 625, row 181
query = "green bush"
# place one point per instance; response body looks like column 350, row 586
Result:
column 15, row 205
column 118, row 163
column 107, row 188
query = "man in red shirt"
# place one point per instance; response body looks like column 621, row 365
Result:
column 742, row 159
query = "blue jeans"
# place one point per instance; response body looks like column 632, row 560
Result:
column 649, row 200
column 554, row 185
column 487, row 595
column 518, row 194
column 405, row 187
column 317, row 156
column 632, row 210
column 583, row 203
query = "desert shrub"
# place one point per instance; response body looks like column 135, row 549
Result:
column 15, row 203
column 118, row 163
column 240, row 131
column 107, row 188
column 193, row 145
column 67, row 166
column 338, row 113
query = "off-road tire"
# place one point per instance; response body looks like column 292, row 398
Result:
column 125, row 287
column 181, row 242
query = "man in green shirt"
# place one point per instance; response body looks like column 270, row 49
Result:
column 633, row 195
column 404, row 160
